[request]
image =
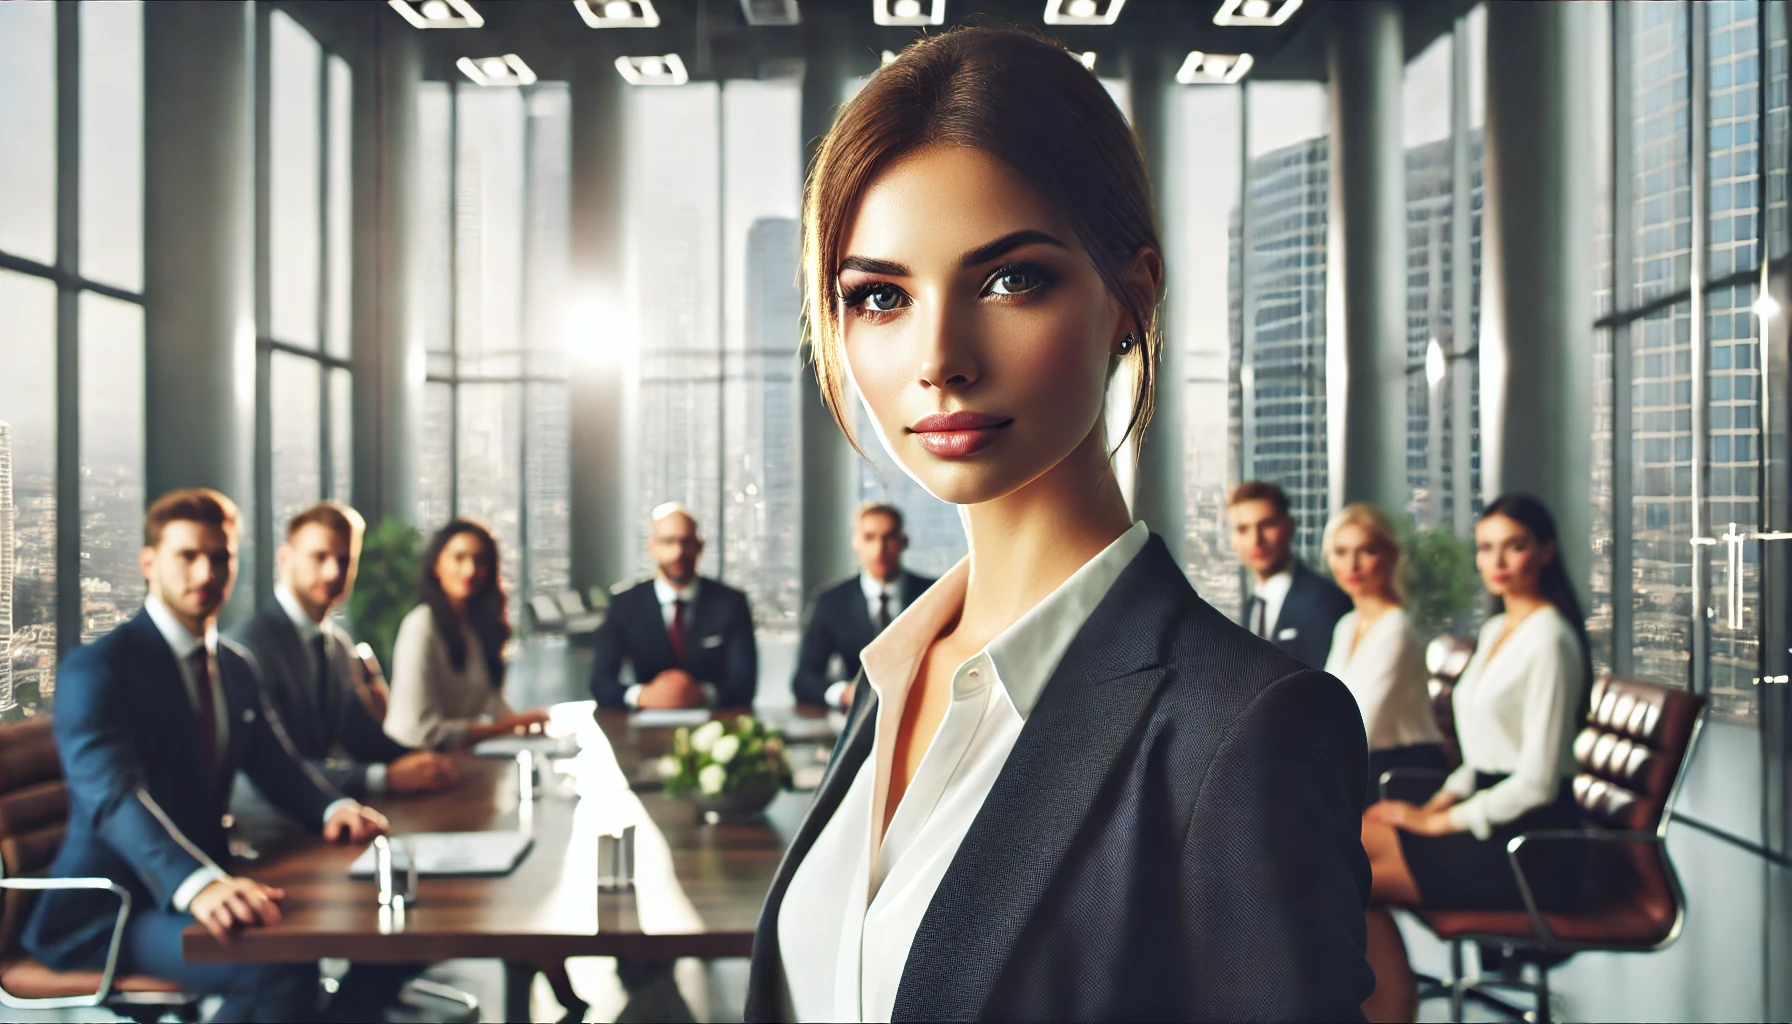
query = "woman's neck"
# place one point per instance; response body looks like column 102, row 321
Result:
column 1370, row 607
column 1519, row 606
column 1025, row 544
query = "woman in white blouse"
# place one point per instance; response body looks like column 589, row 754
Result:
column 1068, row 788
column 1516, row 706
column 1373, row 648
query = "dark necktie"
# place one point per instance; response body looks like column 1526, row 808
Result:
column 883, row 610
column 675, row 631
column 207, row 714
column 320, row 660
column 1259, row 616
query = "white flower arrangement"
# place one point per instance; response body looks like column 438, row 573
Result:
column 714, row 759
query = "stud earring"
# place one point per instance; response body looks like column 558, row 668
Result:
column 1126, row 344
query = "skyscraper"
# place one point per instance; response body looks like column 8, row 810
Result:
column 8, row 516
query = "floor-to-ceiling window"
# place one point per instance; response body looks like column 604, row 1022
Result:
column 71, row 340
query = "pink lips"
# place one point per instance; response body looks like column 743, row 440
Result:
column 957, row 434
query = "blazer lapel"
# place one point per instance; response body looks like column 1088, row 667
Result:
column 1084, row 722
column 170, row 691
column 653, row 633
column 299, row 708
column 858, row 617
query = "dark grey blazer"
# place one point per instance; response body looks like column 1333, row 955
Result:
column 323, row 728
column 840, row 623
column 1175, row 835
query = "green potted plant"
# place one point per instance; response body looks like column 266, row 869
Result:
column 728, row 772
column 385, row 585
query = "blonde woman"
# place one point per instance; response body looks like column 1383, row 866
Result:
column 1374, row 650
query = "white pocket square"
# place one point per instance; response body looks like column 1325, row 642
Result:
column 1287, row 634
column 712, row 641
column 248, row 714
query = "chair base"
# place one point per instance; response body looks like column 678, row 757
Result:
column 1501, row 971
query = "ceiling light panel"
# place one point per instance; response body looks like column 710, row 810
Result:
column 1213, row 68
column 1262, row 13
column 770, row 12
column 1082, row 12
column 663, row 69
column 618, row 13
column 438, row 13
column 508, row 70
column 910, row 13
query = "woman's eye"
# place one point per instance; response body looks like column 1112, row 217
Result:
column 882, row 298
column 1015, row 281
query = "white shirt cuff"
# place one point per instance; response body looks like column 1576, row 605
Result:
column 836, row 695
column 632, row 696
column 337, row 805
column 1471, row 816
column 196, row 882
column 375, row 781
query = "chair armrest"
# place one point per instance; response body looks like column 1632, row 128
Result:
column 1550, row 835
column 124, row 912
column 1394, row 776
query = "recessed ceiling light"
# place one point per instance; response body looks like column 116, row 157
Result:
column 1082, row 12
column 912, row 13
column 438, row 13
column 508, row 70
column 770, row 12
column 658, row 69
column 618, row 13
column 1213, row 68
column 1266, row 13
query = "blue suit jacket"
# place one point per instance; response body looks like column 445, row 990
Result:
column 1176, row 835
column 141, row 811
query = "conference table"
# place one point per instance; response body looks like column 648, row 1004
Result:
column 697, row 890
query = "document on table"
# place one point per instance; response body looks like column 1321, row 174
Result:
column 553, row 747
column 453, row 853
column 669, row 718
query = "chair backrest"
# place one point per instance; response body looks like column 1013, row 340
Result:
column 571, row 604
column 546, row 613
column 33, row 817
column 1446, row 656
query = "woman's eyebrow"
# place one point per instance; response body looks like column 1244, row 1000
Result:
column 1005, row 244
column 867, row 265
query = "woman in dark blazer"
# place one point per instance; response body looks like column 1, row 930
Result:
column 1068, row 788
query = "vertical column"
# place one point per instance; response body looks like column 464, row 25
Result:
column 830, row 469
column 199, row 255
column 387, row 321
column 1366, row 312
column 1462, row 295
column 1158, row 496
column 600, row 340
column 1536, row 259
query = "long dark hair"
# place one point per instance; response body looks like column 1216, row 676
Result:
column 1553, row 581
column 485, row 608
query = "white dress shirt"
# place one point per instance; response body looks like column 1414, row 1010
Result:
column 1513, row 714
column 858, row 897
column 669, row 596
column 1386, row 674
column 374, row 777
column 185, row 647
column 1272, row 592
column 876, row 592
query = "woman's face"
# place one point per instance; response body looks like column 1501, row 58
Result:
column 1509, row 558
column 1361, row 563
column 463, row 567
column 978, row 333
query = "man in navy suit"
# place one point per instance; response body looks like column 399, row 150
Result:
column 846, row 616
column 1291, row 606
column 153, row 721
column 689, row 638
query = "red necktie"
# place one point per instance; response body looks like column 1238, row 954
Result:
column 675, row 632
column 208, row 714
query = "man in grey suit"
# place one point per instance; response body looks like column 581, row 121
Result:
column 313, row 677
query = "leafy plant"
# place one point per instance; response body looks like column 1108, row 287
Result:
column 385, row 585
column 714, row 759
column 1440, row 578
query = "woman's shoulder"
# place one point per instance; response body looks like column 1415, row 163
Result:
column 417, row 627
column 1216, row 668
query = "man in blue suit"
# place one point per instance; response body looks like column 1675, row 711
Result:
column 1291, row 606
column 153, row 721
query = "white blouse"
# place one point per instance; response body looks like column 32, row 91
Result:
column 857, row 899
column 433, row 704
column 1514, row 716
column 1386, row 674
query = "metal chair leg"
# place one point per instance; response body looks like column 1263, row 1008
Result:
column 1457, row 982
column 1544, row 1013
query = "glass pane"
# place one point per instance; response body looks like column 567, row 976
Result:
column 1282, row 357
column 297, row 458
column 1734, row 149
column 672, row 222
column 763, row 126
column 1735, row 504
column 433, row 136
column 1777, row 157
column 28, row 110
column 1661, row 505
column 293, row 183
column 342, row 436
column 550, row 488
column 112, row 456
column 27, row 491
column 490, row 483
column 489, row 211
column 1599, row 103
column 1599, row 608
column 112, row 144
column 435, row 468
column 1430, row 205
column 1200, row 212
column 342, row 209
column 1661, row 185
column 548, row 204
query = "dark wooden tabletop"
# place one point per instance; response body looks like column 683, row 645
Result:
column 698, row 887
